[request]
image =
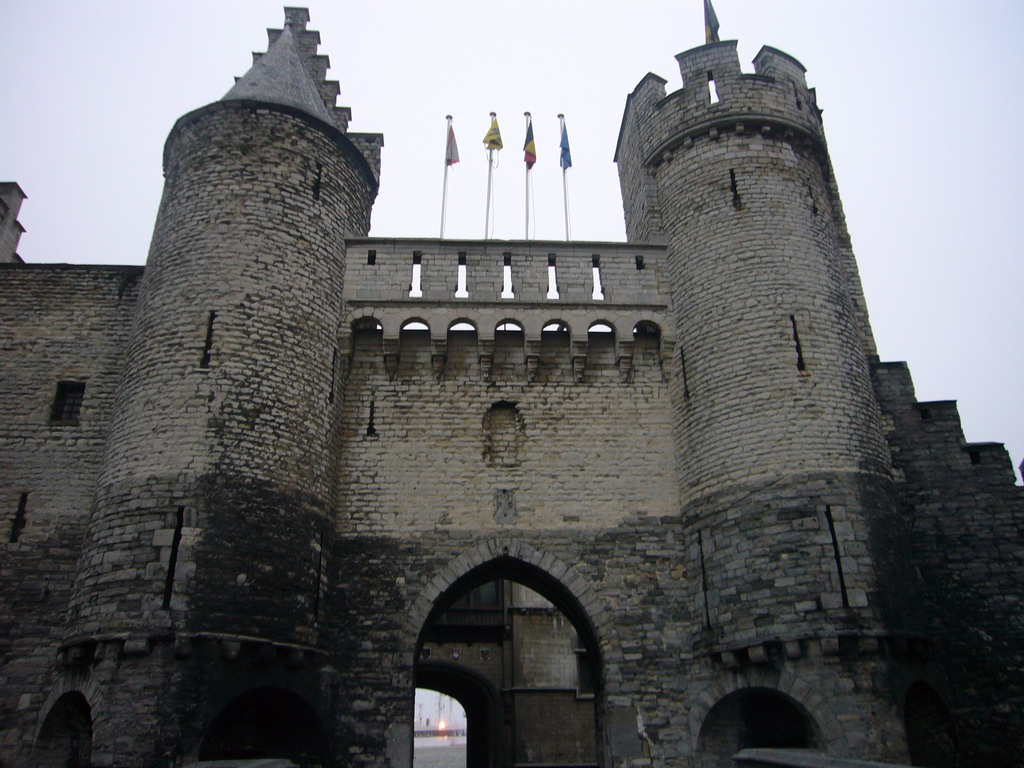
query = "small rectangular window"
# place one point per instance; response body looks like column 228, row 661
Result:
column 415, row 288
column 598, row 293
column 552, row 278
column 461, row 291
column 67, row 402
column 506, row 277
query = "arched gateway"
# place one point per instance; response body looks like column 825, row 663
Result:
column 514, row 646
column 607, row 494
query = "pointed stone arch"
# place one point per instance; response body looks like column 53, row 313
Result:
column 575, row 597
column 575, row 625
column 64, row 737
column 87, row 688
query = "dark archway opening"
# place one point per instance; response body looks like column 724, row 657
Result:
column 930, row 737
column 266, row 723
column 65, row 739
column 516, row 649
column 753, row 718
column 479, row 699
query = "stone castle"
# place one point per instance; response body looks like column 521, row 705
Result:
column 653, row 503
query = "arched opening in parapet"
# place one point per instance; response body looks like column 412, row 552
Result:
column 459, row 736
column 509, row 361
column 462, row 352
column 555, row 359
column 65, row 738
column 931, row 740
column 751, row 718
column 267, row 723
column 367, row 342
column 414, row 349
column 508, row 626
column 601, row 357
column 646, row 345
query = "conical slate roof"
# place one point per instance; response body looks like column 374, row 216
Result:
column 278, row 77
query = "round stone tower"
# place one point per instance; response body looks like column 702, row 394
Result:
column 785, row 476
column 211, row 510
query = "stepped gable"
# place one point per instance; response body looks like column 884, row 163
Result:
column 307, row 43
column 278, row 77
column 293, row 73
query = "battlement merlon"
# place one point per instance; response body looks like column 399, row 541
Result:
column 11, row 230
column 369, row 145
column 774, row 97
column 718, row 99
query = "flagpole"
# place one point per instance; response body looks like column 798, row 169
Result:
column 447, row 165
column 565, row 200
column 527, row 236
column 490, row 176
column 565, row 182
column 487, row 214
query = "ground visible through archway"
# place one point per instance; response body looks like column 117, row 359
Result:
column 440, row 732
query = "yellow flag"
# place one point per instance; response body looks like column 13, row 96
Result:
column 493, row 138
column 710, row 23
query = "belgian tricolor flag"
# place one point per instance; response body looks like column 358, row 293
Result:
column 529, row 148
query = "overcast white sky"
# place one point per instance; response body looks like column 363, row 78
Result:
column 922, row 102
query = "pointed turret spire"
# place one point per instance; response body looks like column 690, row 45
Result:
column 278, row 77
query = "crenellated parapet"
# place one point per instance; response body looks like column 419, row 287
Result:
column 717, row 96
column 966, row 517
column 506, row 272
column 561, row 304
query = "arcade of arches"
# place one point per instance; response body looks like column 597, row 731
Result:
column 518, row 653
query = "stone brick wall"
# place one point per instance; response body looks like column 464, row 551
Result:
column 544, row 652
column 578, row 465
column 554, row 728
column 288, row 480
column 630, row 275
column 57, row 323
column 967, row 529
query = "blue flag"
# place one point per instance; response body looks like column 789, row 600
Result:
column 566, row 159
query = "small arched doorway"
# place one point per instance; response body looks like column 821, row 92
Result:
column 65, row 738
column 753, row 718
column 479, row 699
column 517, row 650
column 930, row 737
column 266, row 723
